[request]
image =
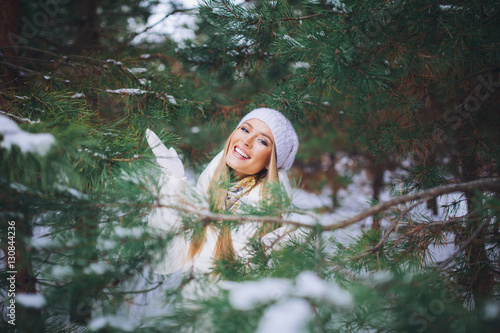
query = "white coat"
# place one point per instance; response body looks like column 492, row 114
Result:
column 166, row 219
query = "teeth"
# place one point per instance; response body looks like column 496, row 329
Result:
column 238, row 150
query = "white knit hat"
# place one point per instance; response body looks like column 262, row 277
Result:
column 285, row 138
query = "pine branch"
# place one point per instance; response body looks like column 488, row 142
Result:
column 205, row 216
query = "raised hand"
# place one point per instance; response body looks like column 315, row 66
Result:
column 168, row 159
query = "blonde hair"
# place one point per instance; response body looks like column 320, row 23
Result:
column 217, row 191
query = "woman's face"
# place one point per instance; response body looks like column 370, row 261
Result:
column 250, row 148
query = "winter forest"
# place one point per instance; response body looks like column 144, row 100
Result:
column 393, row 219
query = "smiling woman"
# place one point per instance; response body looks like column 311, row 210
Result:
column 257, row 153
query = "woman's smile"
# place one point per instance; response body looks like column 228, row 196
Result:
column 240, row 153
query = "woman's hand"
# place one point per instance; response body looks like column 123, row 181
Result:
column 168, row 159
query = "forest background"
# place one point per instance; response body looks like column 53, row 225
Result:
column 402, row 95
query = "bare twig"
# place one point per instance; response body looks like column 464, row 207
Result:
column 464, row 245
column 21, row 120
column 126, row 159
column 277, row 240
column 488, row 183
column 302, row 18
column 29, row 48
column 131, row 37
column 18, row 67
column 389, row 231
column 52, row 54
column 451, row 220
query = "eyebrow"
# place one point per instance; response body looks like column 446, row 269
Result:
column 262, row 133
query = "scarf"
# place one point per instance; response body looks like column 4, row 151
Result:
column 236, row 192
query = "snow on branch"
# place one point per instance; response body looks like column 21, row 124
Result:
column 27, row 142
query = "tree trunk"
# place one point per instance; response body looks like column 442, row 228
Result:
column 30, row 320
column 27, row 319
column 432, row 205
column 480, row 279
column 377, row 185
column 88, row 33
column 10, row 16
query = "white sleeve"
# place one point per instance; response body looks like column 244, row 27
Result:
column 283, row 233
column 172, row 187
column 167, row 220
column 173, row 191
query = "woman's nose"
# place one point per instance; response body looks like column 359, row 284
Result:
column 246, row 141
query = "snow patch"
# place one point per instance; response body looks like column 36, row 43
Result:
column 62, row 271
column 491, row 311
column 382, row 276
column 113, row 61
column 127, row 91
column 27, row 142
column 136, row 70
column 78, row 95
column 171, row 99
column 71, row 191
column 117, row 322
column 301, row 64
column 309, row 285
column 287, row 317
column 248, row 295
column 44, row 243
column 35, row 301
column 292, row 42
column 306, row 200
column 97, row 268
column 135, row 232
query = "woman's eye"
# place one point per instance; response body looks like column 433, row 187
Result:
column 263, row 142
column 244, row 129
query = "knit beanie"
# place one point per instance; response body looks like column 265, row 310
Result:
column 285, row 138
